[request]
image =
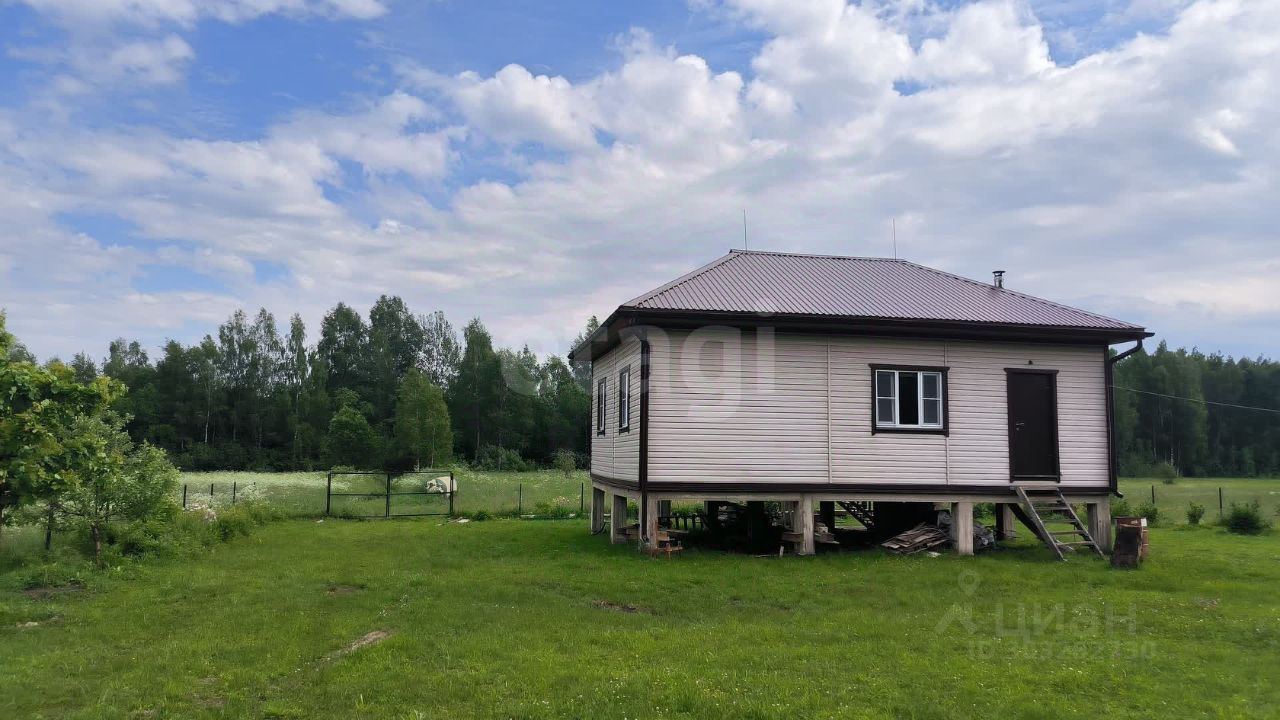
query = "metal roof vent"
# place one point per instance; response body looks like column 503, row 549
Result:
column 999, row 278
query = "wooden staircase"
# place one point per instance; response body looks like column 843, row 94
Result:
column 1041, row 507
column 861, row 511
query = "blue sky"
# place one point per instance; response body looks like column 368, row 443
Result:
column 164, row 162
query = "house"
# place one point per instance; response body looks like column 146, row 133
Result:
column 814, row 380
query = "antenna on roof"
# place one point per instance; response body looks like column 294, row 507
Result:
column 893, row 221
column 745, row 244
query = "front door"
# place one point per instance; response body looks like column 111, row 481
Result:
column 1033, row 424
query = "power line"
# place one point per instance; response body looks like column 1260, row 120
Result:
column 1197, row 400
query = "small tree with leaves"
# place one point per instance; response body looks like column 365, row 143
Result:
column 566, row 462
column 423, row 429
column 111, row 478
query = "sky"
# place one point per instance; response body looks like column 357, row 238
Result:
column 165, row 162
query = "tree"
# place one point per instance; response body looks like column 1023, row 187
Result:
column 582, row 368
column 37, row 409
column 422, row 425
column 441, row 353
column 342, row 348
column 475, row 394
column 351, row 440
column 109, row 477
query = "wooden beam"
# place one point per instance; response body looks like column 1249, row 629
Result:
column 618, row 520
column 827, row 509
column 597, row 510
column 804, row 524
column 962, row 527
column 1100, row 523
column 1004, row 521
column 649, row 536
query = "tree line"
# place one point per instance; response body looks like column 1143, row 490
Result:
column 1186, row 412
column 395, row 390
column 400, row 390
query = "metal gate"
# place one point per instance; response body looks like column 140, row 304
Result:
column 442, row 484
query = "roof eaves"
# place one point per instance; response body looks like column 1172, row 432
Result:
column 646, row 297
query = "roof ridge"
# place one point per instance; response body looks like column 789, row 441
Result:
column 1033, row 298
column 645, row 297
column 781, row 253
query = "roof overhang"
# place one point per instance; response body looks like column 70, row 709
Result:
column 628, row 320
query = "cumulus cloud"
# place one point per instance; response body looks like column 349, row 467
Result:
column 1136, row 180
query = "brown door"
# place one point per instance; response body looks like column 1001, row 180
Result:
column 1033, row 425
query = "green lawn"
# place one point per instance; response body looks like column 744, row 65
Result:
column 1172, row 500
column 542, row 620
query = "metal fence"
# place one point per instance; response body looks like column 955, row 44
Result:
column 441, row 484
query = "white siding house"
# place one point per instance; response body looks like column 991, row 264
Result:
column 816, row 379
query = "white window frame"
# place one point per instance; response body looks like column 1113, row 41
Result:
column 920, row 424
column 624, row 399
column 602, row 402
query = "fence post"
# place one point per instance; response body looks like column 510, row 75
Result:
column 388, row 513
column 1153, row 494
column 210, row 494
column 582, row 497
column 184, row 496
column 453, row 490
column 328, row 493
column 520, row 499
column 1219, row 501
column 233, row 492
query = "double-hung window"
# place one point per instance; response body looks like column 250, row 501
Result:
column 624, row 400
column 601, row 398
column 909, row 399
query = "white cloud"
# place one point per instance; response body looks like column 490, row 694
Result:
column 1138, row 180
column 92, row 13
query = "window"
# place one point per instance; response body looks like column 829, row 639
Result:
column 908, row 399
column 600, row 402
column 624, row 400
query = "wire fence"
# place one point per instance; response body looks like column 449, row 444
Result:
column 533, row 495
column 1173, row 500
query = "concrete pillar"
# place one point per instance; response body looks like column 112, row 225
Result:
column 1004, row 521
column 1100, row 523
column 649, row 533
column 804, row 524
column 597, row 510
column 827, row 509
column 962, row 527
column 618, row 521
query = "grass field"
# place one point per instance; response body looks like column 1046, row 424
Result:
column 1172, row 500
column 542, row 620
column 303, row 493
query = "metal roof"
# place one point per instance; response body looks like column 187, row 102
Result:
column 751, row 281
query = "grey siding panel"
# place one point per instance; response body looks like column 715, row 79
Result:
column 730, row 406
column 616, row 454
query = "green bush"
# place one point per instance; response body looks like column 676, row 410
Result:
column 1121, row 508
column 1165, row 472
column 1246, row 519
column 566, row 462
column 1149, row 511
column 552, row 510
column 492, row 458
column 1195, row 512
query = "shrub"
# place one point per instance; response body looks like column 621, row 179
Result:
column 552, row 510
column 1121, row 508
column 566, row 462
column 1150, row 512
column 1165, row 472
column 492, row 458
column 1195, row 512
column 1246, row 519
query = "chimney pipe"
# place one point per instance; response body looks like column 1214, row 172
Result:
column 999, row 278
